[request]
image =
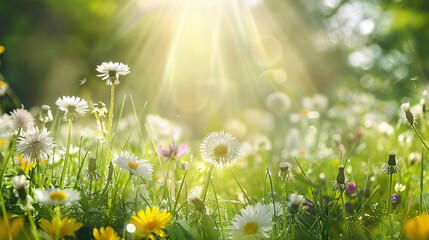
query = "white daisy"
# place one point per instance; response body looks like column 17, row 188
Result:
column 55, row 196
column 71, row 106
column 220, row 148
column 21, row 119
column 111, row 70
column 35, row 144
column 137, row 167
column 255, row 222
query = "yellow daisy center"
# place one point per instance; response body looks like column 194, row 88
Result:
column 304, row 112
column 220, row 151
column 133, row 164
column 250, row 228
column 59, row 196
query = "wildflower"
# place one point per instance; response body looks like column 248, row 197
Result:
column 72, row 106
column 399, row 187
column 391, row 167
column 351, row 188
column 25, row 165
column 58, row 197
column 255, row 221
column 219, row 148
column 10, row 229
column 194, row 197
column 408, row 114
column 21, row 119
column 150, row 222
column 2, row 49
column 296, row 200
column 284, row 171
column 105, row 234
column 418, row 227
column 173, row 151
column 45, row 114
column 111, row 71
column 395, row 198
column 348, row 206
column 137, row 167
column 35, row 144
column 341, row 184
column 99, row 109
column 3, row 88
column 68, row 227
column 278, row 102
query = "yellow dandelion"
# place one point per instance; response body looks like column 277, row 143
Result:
column 10, row 229
column 67, row 227
column 2, row 49
column 418, row 228
column 105, row 234
column 151, row 222
column 26, row 166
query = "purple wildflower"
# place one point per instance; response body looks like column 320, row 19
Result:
column 351, row 188
column 396, row 198
column 173, row 150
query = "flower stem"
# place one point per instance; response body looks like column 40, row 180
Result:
column 5, row 218
column 206, row 185
column 66, row 158
column 242, row 189
column 39, row 176
column 218, row 209
column 58, row 215
column 112, row 101
column 6, row 160
column 389, row 196
column 344, row 210
column 419, row 136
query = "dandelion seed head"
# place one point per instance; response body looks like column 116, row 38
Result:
column 35, row 144
column 21, row 119
column 220, row 148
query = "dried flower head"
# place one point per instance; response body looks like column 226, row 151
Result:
column 391, row 167
column 341, row 183
column 21, row 119
column 408, row 114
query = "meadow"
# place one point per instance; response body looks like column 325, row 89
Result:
column 79, row 169
column 214, row 119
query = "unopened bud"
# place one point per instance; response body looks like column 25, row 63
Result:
column 408, row 114
column 284, row 166
column 341, row 178
column 392, row 159
column 92, row 165
column 45, row 114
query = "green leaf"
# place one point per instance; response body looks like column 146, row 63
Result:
column 190, row 233
column 209, row 228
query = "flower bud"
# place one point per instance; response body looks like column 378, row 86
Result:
column 392, row 159
column 45, row 114
column 92, row 165
column 341, row 178
column 408, row 114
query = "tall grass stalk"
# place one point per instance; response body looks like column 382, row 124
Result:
column 66, row 158
column 242, row 189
